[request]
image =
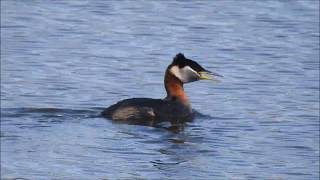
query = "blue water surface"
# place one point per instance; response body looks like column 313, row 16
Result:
column 62, row 62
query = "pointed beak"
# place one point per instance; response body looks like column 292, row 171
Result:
column 208, row 75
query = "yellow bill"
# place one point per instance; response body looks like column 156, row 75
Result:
column 207, row 75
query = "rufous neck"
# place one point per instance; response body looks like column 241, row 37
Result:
column 174, row 88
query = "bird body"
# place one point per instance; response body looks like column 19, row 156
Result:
column 174, row 107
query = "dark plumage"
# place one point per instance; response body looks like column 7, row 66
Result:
column 182, row 61
column 147, row 109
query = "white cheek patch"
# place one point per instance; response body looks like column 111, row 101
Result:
column 185, row 74
column 176, row 72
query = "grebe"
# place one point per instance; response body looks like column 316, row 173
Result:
column 174, row 107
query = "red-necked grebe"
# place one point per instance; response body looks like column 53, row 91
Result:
column 175, row 106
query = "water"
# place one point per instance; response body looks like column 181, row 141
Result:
column 62, row 62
